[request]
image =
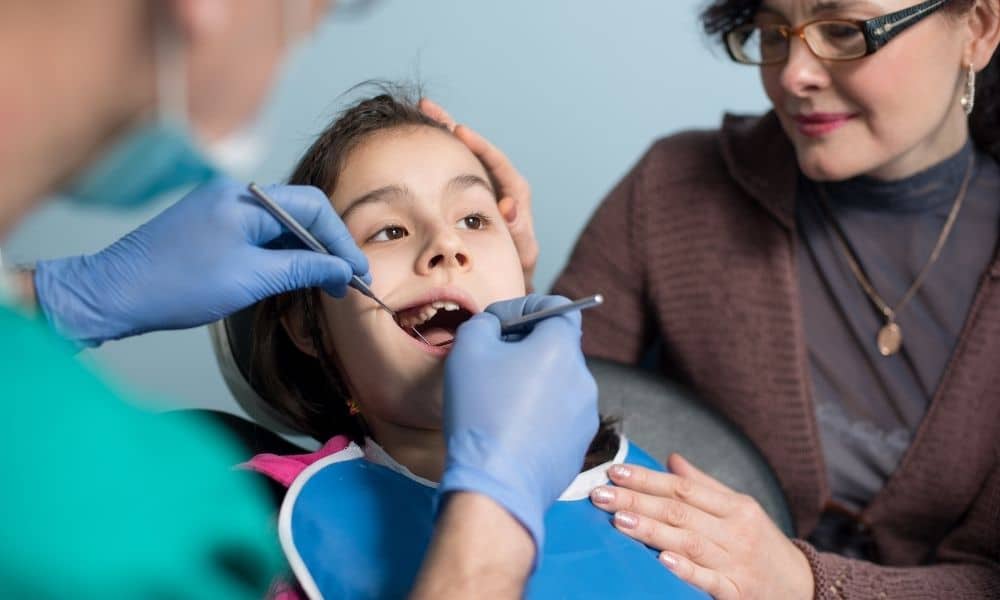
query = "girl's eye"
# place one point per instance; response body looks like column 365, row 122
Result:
column 387, row 234
column 474, row 221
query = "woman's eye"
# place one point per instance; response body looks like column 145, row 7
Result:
column 842, row 32
column 387, row 234
column 476, row 221
column 772, row 36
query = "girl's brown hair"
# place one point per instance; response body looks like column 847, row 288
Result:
column 984, row 124
column 310, row 391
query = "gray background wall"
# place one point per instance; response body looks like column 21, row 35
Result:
column 572, row 90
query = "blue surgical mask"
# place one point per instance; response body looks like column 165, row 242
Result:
column 150, row 161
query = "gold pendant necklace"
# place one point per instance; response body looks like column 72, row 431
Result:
column 890, row 339
column 890, row 336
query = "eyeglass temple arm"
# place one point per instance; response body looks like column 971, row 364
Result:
column 880, row 30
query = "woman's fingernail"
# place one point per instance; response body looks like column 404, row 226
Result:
column 602, row 495
column 668, row 559
column 626, row 520
column 620, row 471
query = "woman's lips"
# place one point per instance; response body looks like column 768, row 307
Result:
column 820, row 124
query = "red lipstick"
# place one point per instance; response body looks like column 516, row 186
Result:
column 818, row 124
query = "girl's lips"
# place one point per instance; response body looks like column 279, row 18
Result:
column 432, row 350
column 820, row 124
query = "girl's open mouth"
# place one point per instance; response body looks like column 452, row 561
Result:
column 436, row 322
column 436, row 317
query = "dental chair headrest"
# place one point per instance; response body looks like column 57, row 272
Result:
column 232, row 340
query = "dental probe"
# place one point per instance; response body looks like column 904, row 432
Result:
column 518, row 324
column 313, row 244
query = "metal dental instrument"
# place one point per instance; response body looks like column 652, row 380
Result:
column 313, row 244
column 521, row 323
column 524, row 322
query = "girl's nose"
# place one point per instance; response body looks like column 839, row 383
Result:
column 446, row 250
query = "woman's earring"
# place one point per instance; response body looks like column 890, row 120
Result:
column 353, row 408
column 969, row 97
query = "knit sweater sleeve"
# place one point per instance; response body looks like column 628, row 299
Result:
column 607, row 260
column 966, row 565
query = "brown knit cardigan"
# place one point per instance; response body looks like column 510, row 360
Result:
column 696, row 246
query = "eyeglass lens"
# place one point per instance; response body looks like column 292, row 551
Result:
column 769, row 44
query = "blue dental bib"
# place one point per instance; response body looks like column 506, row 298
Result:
column 353, row 528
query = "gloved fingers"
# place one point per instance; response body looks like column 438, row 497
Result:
column 287, row 270
column 508, row 309
column 543, row 333
column 536, row 302
column 572, row 319
column 311, row 208
column 479, row 329
column 556, row 342
column 517, row 307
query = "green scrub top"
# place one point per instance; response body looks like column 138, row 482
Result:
column 104, row 500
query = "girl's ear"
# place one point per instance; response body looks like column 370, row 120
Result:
column 293, row 320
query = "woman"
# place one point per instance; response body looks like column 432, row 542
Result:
column 825, row 275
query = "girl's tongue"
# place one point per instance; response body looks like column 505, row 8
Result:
column 437, row 336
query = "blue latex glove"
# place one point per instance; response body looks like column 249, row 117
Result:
column 519, row 414
column 198, row 261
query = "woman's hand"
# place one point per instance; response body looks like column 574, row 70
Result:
column 512, row 188
column 710, row 536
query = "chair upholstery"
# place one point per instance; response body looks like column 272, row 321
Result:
column 658, row 415
column 663, row 417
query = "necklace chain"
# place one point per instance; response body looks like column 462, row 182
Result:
column 890, row 336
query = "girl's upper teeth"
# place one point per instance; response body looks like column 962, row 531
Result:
column 427, row 312
column 445, row 305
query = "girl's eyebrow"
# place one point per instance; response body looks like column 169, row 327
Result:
column 464, row 182
column 390, row 193
column 383, row 194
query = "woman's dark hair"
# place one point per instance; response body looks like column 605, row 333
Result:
column 984, row 125
column 310, row 391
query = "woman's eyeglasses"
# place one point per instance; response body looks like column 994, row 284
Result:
column 828, row 39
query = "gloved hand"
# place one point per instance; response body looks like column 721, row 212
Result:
column 198, row 261
column 519, row 414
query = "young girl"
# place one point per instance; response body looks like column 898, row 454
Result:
column 359, row 513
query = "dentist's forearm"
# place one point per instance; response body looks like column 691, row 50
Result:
column 479, row 551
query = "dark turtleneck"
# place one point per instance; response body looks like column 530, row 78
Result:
column 869, row 406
